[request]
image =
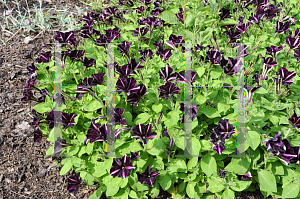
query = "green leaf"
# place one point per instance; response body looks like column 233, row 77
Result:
column 275, row 167
column 128, row 117
column 261, row 90
column 165, row 182
column 42, row 108
column 66, row 168
column 133, row 194
column 129, row 27
column 156, row 147
column 228, row 21
column 239, row 165
column 274, row 119
column 50, row 151
column 92, row 105
column 157, row 108
column 263, row 37
column 189, row 34
column 283, row 120
column 112, row 185
column 190, row 190
column 89, row 148
column 222, row 107
column 98, row 193
column 267, row 181
column 215, row 73
column 182, row 186
column 142, row 118
column 290, row 190
column 195, row 145
column 192, row 163
column 215, row 185
column 210, row 112
column 200, row 99
column 173, row 117
column 228, row 194
column 122, row 194
column 209, row 165
column 240, row 185
column 201, row 71
column 253, row 138
column 181, row 165
column 169, row 17
column 129, row 146
column 189, row 20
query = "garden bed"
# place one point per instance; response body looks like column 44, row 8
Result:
column 25, row 172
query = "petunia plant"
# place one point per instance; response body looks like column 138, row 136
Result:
column 200, row 99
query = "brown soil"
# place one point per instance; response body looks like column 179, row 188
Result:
column 24, row 170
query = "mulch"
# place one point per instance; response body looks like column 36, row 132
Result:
column 24, row 170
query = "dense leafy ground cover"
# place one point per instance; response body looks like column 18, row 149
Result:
column 154, row 45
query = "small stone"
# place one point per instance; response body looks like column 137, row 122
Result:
column 23, row 126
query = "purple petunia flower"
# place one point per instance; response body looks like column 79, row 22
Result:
column 32, row 68
column 44, row 57
column 249, row 92
column 50, row 119
column 297, row 54
column 121, row 168
column 181, row 76
column 146, row 53
column 147, row 177
column 272, row 11
column 192, row 108
column 171, row 140
column 118, row 116
column 175, row 41
column 213, row 57
column 134, row 98
column 74, row 183
column 293, row 43
column 218, row 142
column 68, row 120
column 273, row 50
column 225, row 128
column 144, row 133
column 268, row 64
column 140, row 10
column 247, row 176
column 124, row 48
column 232, row 35
column 127, row 85
column 286, row 76
column 156, row 11
column 98, row 79
column 231, row 66
column 37, row 135
column 125, row 71
column 168, row 90
column 167, row 74
column 76, row 54
column 134, row 155
column 282, row 27
column 281, row 148
column 295, row 120
column 66, row 37
column 88, row 62
column 222, row 173
column 95, row 133
column 224, row 14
